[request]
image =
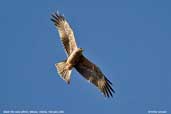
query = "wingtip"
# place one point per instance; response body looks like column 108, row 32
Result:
column 108, row 81
column 52, row 19
column 56, row 17
column 107, row 89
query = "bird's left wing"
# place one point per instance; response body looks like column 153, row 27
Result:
column 92, row 73
column 65, row 32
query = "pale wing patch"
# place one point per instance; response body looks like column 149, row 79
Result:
column 65, row 32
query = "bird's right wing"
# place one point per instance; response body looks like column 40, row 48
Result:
column 65, row 32
column 92, row 73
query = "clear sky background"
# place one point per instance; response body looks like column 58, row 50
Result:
column 129, row 41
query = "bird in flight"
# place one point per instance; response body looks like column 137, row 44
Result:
column 76, row 59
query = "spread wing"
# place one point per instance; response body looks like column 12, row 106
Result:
column 65, row 32
column 92, row 73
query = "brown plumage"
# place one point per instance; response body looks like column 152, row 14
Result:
column 77, row 60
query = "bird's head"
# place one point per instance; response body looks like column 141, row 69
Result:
column 78, row 51
column 81, row 49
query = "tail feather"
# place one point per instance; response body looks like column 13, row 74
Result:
column 63, row 72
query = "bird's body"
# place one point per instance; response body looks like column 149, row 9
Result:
column 75, row 59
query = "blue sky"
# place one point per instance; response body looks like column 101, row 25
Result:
column 129, row 41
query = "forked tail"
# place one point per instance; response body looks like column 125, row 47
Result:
column 63, row 71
